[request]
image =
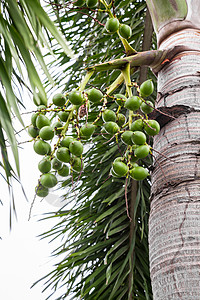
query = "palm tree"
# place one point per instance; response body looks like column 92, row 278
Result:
column 103, row 254
column 173, row 233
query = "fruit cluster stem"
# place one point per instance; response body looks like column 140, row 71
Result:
column 64, row 129
column 127, row 77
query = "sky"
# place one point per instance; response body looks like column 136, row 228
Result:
column 24, row 258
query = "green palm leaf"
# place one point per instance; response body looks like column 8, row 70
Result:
column 22, row 35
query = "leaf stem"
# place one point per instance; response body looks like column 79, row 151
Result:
column 85, row 80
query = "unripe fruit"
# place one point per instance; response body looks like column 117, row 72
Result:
column 147, row 107
column 76, row 97
column 58, row 127
column 66, row 141
column 79, row 3
column 153, row 128
column 91, row 3
column 77, row 164
column 133, row 103
column 138, row 173
column 63, row 154
column 142, row 151
column 111, row 127
column 44, row 165
column 137, row 125
column 46, row 133
column 41, row 147
column 87, row 130
column 33, row 119
column 42, row 121
column 112, row 25
column 41, row 191
column 48, row 180
column 94, row 95
column 64, row 171
column 56, row 164
column 49, row 151
column 33, row 132
column 105, row 134
column 109, row 115
column 121, row 119
column 119, row 158
column 120, row 168
column 112, row 172
column 63, row 115
column 126, row 137
column 138, row 138
column 76, row 148
column 125, row 31
column 146, row 88
column 59, row 99
column 120, row 99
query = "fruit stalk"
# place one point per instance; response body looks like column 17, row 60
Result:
column 127, row 78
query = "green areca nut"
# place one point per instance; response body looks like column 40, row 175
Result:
column 56, row 164
column 137, row 125
column 147, row 107
column 126, row 137
column 76, row 148
column 41, row 147
column 46, row 133
column 112, row 25
column 94, row 95
column 142, row 151
column 63, row 154
column 120, row 168
column 42, row 121
column 125, row 31
column 111, row 127
column 41, row 191
column 138, row 173
column 133, row 103
column 64, row 171
column 109, row 115
column 44, row 165
column 48, row 180
column 146, row 88
column 138, row 137
column 33, row 131
column 152, row 127
column 76, row 97
column 59, row 99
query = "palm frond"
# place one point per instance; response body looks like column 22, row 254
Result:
column 22, row 36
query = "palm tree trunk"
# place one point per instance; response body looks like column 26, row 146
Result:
column 174, row 225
